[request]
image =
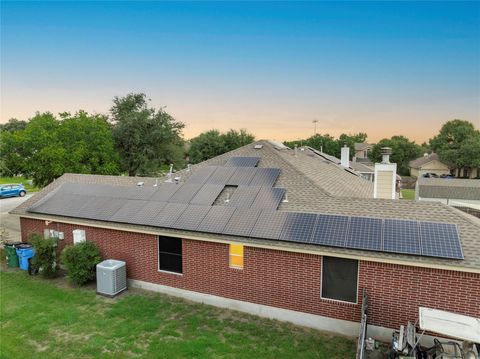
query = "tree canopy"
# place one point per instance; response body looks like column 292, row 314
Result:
column 329, row 144
column 13, row 125
column 49, row 147
column 146, row 138
column 213, row 143
column 458, row 144
column 403, row 151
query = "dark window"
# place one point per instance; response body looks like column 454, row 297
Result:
column 170, row 254
column 339, row 279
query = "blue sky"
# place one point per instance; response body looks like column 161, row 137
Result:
column 383, row 68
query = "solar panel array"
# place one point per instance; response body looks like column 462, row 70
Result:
column 251, row 212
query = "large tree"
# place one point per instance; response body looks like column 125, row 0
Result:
column 13, row 125
column 458, row 144
column 213, row 143
column 49, row 147
column 146, row 138
column 403, row 151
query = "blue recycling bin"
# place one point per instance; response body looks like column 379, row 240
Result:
column 24, row 253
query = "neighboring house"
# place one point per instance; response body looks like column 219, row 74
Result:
column 362, row 150
column 291, row 238
column 428, row 163
column 454, row 192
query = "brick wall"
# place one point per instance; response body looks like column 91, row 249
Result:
column 284, row 279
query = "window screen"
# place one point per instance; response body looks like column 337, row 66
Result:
column 170, row 254
column 339, row 279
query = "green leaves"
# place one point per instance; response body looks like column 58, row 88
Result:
column 458, row 144
column 212, row 143
column 145, row 138
column 48, row 147
column 403, row 151
column 80, row 261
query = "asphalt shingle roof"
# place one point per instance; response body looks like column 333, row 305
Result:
column 312, row 186
column 451, row 188
column 419, row 162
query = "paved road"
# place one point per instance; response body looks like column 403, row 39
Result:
column 9, row 221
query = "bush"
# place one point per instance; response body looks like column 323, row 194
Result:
column 80, row 261
column 45, row 259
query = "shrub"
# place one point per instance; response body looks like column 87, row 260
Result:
column 80, row 261
column 45, row 259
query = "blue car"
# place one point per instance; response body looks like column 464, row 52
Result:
column 12, row 190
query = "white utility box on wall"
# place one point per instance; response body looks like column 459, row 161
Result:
column 79, row 236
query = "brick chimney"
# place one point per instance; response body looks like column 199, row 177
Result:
column 385, row 176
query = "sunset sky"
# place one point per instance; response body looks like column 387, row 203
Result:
column 381, row 68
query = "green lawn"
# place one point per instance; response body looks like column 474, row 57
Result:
column 28, row 187
column 48, row 319
column 408, row 194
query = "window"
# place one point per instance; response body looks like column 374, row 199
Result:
column 236, row 256
column 339, row 279
column 170, row 254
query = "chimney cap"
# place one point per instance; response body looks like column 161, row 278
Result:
column 386, row 150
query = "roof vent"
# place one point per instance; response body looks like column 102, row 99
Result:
column 278, row 145
column 386, row 152
column 285, row 197
column 140, row 184
column 258, row 147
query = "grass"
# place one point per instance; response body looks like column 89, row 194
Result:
column 28, row 187
column 408, row 194
column 47, row 319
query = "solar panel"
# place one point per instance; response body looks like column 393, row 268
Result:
column 242, row 176
column 243, row 196
column 365, row 233
column 216, row 219
column 201, row 174
column 268, row 198
column 169, row 214
column 186, row 193
column 191, row 217
column 126, row 213
column 330, row 230
column 298, row 227
column 242, row 161
column 242, row 222
column 269, row 225
column 61, row 204
column 100, row 208
column 221, row 175
column 265, row 177
column 207, row 194
column 165, row 191
column 148, row 213
column 401, row 237
column 440, row 240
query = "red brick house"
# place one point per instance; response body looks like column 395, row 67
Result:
column 289, row 237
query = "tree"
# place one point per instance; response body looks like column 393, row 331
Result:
column 206, row 145
column 325, row 143
column 213, row 143
column 350, row 141
column 13, row 125
column 234, row 139
column 403, row 151
column 146, row 138
column 49, row 147
column 458, row 144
